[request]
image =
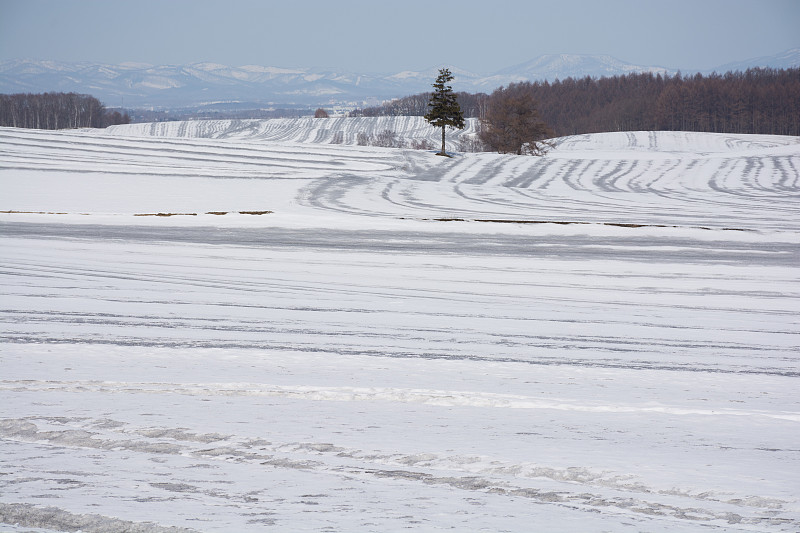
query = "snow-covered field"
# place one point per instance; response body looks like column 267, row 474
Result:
column 211, row 327
column 337, row 130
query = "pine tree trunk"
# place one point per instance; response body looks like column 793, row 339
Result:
column 443, row 151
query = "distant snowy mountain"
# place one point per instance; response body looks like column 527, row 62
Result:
column 142, row 85
column 133, row 85
column 562, row 66
column 787, row 59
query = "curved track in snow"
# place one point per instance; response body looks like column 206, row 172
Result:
column 656, row 178
column 242, row 326
column 736, row 182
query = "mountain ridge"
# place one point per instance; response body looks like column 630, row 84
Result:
column 133, row 84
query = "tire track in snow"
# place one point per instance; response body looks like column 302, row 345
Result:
column 439, row 398
column 575, row 487
column 706, row 328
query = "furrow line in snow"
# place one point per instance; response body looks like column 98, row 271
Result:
column 440, row 398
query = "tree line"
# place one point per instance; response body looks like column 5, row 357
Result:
column 759, row 100
column 765, row 101
column 53, row 111
column 473, row 105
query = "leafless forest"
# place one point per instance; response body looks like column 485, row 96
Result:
column 53, row 111
column 765, row 101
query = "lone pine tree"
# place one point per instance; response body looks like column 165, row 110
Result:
column 444, row 109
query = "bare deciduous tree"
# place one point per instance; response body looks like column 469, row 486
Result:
column 421, row 144
column 512, row 124
column 386, row 139
column 471, row 143
column 362, row 139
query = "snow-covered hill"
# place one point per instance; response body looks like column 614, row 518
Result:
column 788, row 59
column 562, row 66
column 339, row 130
column 227, row 326
column 682, row 173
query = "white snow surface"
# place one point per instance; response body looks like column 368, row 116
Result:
column 335, row 130
column 330, row 337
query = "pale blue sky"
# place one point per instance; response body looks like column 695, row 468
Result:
column 390, row 36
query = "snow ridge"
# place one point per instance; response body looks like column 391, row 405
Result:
column 338, row 130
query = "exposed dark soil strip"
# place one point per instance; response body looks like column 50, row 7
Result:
column 164, row 214
column 140, row 214
column 567, row 223
column 34, row 212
